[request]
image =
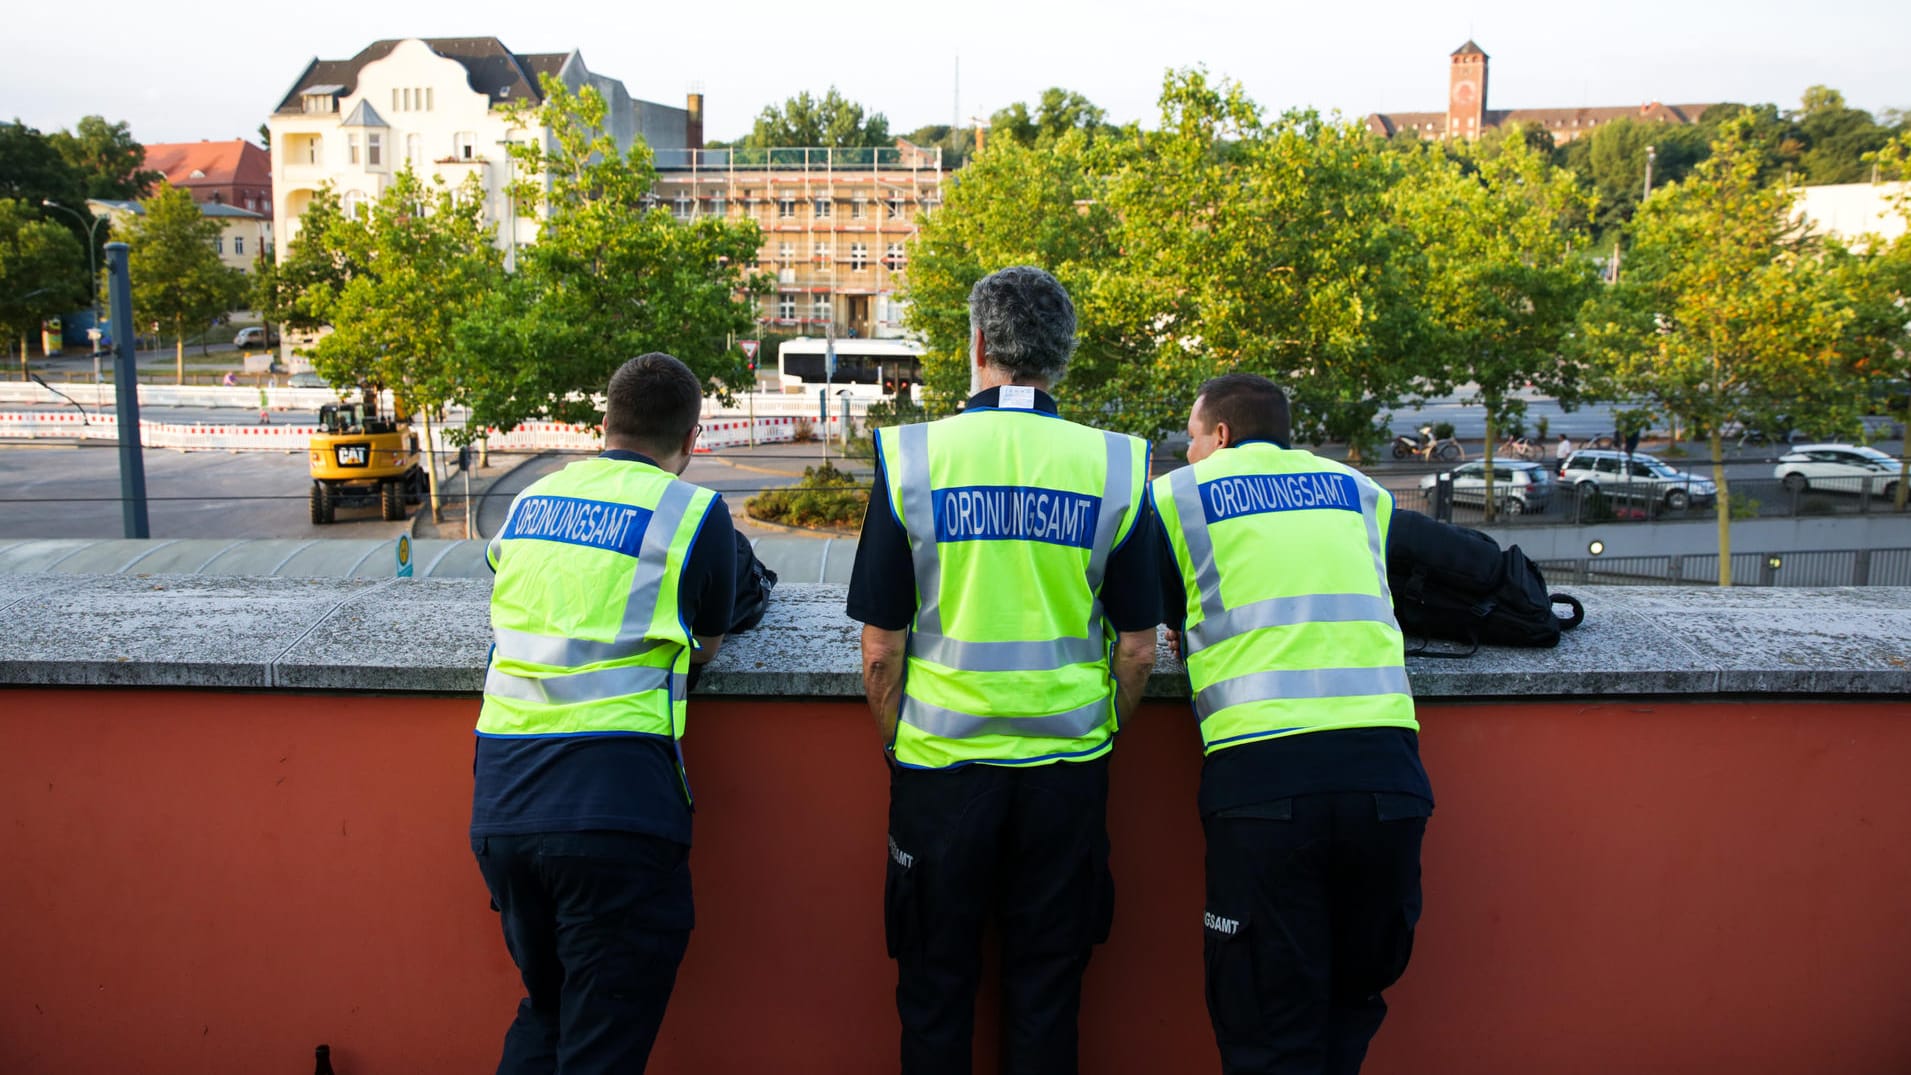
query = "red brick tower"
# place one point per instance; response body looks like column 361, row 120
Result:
column 1466, row 92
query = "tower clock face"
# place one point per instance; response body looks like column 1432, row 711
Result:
column 1465, row 92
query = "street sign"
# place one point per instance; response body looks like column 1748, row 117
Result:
column 749, row 348
column 404, row 556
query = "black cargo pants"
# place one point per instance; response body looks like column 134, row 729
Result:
column 1311, row 908
column 1028, row 846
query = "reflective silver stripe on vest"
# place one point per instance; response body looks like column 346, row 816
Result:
column 1300, row 683
column 1289, row 612
column 1005, row 656
column 918, row 509
column 1117, row 498
column 557, row 651
column 1370, row 509
column 600, row 685
column 949, row 724
column 1194, row 531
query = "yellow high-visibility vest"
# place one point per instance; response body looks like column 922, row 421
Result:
column 1011, row 517
column 588, row 638
column 1290, row 625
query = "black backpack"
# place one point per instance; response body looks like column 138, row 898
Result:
column 1452, row 583
column 755, row 580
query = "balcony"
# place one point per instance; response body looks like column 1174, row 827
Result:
column 237, row 807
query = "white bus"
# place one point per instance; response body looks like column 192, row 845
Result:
column 867, row 369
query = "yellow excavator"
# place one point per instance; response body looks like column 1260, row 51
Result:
column 361, row 459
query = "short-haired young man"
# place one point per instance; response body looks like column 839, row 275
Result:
column 1312, row 796
column 613, row 577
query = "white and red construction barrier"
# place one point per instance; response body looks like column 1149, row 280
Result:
column 719, row 432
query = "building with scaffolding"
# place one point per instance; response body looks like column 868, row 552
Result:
column 837, row 224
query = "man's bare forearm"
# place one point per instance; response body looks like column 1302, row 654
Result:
column 1134, row 659
column 883, row 655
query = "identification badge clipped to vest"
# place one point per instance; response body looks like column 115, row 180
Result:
column 1016, row 397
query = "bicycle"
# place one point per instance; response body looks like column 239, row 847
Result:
column 1519, row 448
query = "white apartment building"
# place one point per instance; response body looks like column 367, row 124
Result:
column 1849, row 211
column 435, row 105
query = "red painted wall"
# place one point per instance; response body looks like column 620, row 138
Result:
column 207, row 882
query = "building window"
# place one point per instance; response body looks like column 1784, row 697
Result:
column 464, row 146
column 820, row 253
column 394, row 99
column 427, row 98
column 858, row 256
column 895, row 258
column 218, row 244
column 821, row 308
column 786, row 254
column 859, row 208
column 895, row 206
column 238, row 244
column 314, row 151
column 351, row 149
column 407, row 95
column 786, row 205
column 683, row 205
column 374, row 150
column 320, row 102
column 350, row 203
column 824, row 207
column 717, row 207
column 415, row 151
column 786, row 306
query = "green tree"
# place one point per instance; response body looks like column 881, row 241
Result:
column 1058, row 112
column 1611, row 163
column 178, row 278
column 42, row 270
column 1015, row 205
column 1724, row 313
column 420, row 260
column 111, row 163
column 1261, row 247
column 1878, row 274
column 1837, row 137
column 298, row 288
column 1507, row 272
column 832, row 120
column 611, row 276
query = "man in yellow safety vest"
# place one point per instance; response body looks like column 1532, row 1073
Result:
column 614, row 577
column 1313, row 798
column 1007, row 581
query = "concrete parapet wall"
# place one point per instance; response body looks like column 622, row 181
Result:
column 237, row 807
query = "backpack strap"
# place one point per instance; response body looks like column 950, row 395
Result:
column 1579, row 611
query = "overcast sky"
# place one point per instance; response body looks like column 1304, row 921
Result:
column 178, row 75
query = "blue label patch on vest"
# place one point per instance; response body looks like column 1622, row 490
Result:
column 596, row 524
column 1255, row 494
column 1016, row 513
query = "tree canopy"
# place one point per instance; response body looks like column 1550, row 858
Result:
column 109, row 161
column 832, row 120
column 611, row 276
column 42, row 270
column 178, row 277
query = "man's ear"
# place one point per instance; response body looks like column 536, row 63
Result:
column 1223, row 436
column 978, row 349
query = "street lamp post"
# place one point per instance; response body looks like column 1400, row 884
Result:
column 92, row 223
column 1651, row 153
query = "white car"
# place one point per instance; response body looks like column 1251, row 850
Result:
column 1518, row 487
column 1640, row 474
column 1838, row 468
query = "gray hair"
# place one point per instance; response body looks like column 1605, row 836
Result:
column 1027, row 320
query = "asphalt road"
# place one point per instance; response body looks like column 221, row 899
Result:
column 63, row 491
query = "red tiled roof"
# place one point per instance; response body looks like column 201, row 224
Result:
column 223, row 163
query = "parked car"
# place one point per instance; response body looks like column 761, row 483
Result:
column 1641, row 475
column 256, row 336
column 1838, row 468
column 1518, row 487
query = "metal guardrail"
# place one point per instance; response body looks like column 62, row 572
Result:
column 1751, row 498
column 813, row 158
column 1815, row 567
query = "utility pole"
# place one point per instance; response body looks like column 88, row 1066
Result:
column 132, row 464
column 1651, row 153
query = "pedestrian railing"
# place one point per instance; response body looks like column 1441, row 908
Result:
column 1815, row 567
